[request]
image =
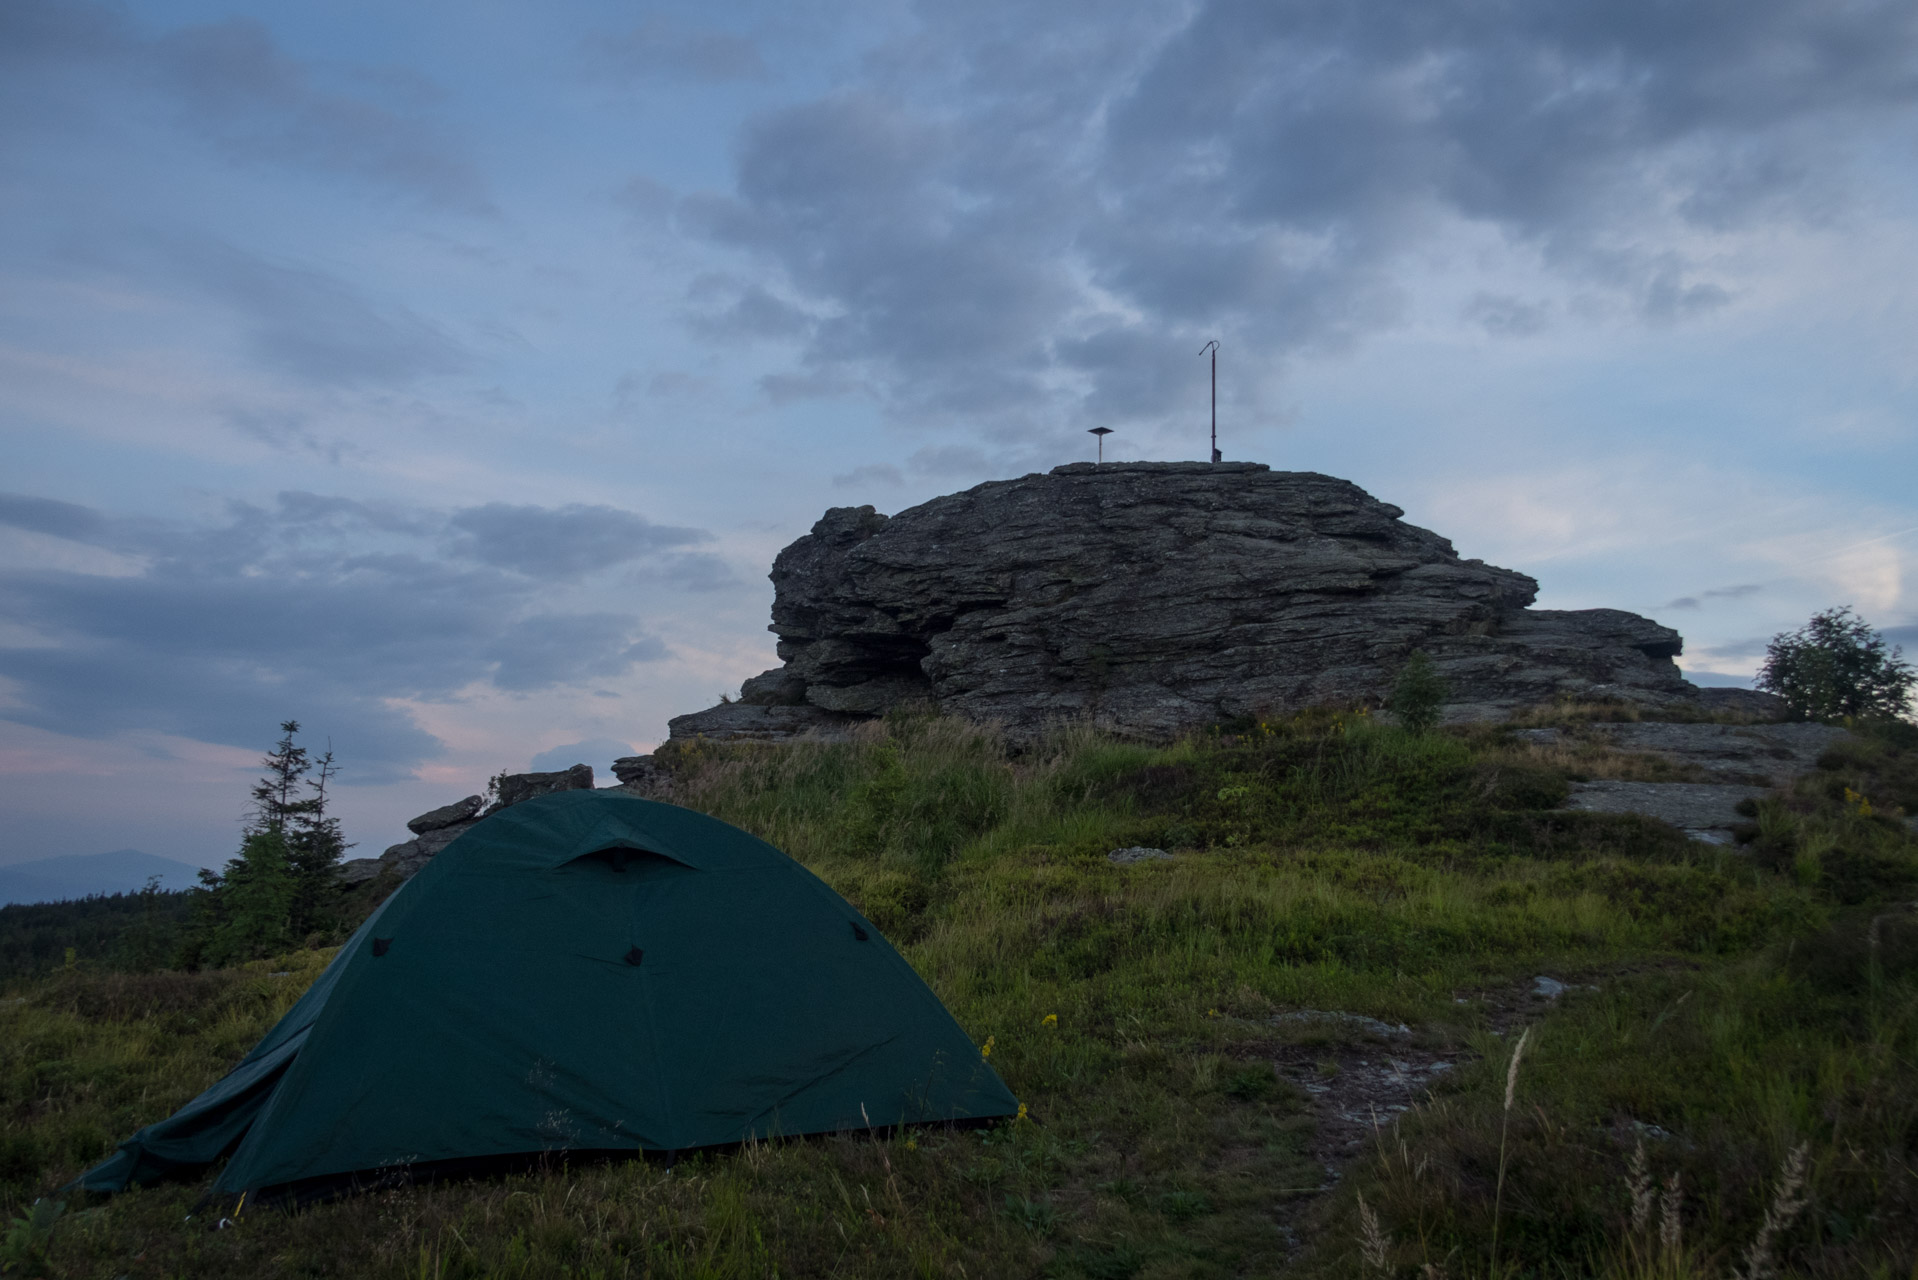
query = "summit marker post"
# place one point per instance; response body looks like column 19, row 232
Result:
column 1213, row 347
column 1101, row 433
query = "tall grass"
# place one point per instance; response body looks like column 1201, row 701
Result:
column 1740, row 1005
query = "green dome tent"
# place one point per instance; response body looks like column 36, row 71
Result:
column 583, row 972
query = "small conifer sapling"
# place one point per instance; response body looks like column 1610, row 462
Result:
column 1419, row 694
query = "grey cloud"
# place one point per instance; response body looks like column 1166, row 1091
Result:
column 646, row 199
column 315, row 607
column 954, row 461
column 258, row 104
column 1901, row 636
column 315, row 326
column 690, row 570
column 598, row 752
column 562, row 542
column 1735, row 649
column 230, row 83
column 789, row 388
column 540, row 652
column 1504, row 316
column 660, row 47
column 871, row 473
column 294, row 320
column 1261, row 172
column 753, row 313
column 47, row 515
column 1717, row 679
column 1738, row 592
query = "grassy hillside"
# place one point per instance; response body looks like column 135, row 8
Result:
column 1226, row 1056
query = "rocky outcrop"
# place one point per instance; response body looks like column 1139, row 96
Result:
column 437, row 828
column 1152, row 598
column 515, row 788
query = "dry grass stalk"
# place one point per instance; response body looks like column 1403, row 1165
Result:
column 1785, row 1206
column 1638, row 1181
column 1372, row 1242
column 1670, row 1225
column 1505, row 1125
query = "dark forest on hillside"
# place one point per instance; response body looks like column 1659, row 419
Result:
column 130, row 931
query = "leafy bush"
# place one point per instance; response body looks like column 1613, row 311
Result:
column 1835, row 665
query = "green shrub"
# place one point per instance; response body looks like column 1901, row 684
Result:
column 1419, row 693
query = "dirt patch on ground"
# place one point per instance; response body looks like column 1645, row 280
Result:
column 1358, row 1074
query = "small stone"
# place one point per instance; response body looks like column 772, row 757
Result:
column 1550, row 988
column 1137, row 853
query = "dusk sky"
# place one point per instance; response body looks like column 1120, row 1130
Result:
column 446, row 376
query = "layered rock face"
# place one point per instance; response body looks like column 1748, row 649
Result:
column 1152, row 598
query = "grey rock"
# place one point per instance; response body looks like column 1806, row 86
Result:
column 1705, row 810
column 1549, row 988
column 447, row 816
column 749, row 722
column 1153, row 598
column 1137, row 853
column 357, row 871
column 405, row 859
column 775, row 688
column 517, row 788
column 644, row 776
column 1758, row 753
column 1750, row 702
column 1334, row 1017
column 432, row 842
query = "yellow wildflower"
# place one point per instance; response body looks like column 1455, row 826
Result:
column 1022, row 1112
column 1050, row 1020
column 985, row 1050
column 1211, row 1013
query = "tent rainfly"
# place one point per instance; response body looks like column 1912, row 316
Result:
column 581, row 973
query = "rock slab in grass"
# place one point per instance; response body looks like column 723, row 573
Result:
column 1703, row 810
column 1157, row 597
column 1756, row 753
column 1138, row 853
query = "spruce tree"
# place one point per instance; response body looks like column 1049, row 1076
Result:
column 314, row 848
column 280, row 890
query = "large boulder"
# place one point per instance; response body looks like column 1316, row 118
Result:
column 1154, row 597
column 446, row 816
column 437, row 828
column 513, row 788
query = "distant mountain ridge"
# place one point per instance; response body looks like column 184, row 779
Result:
column 81, row 874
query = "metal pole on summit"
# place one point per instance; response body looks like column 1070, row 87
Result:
column 1213, row 347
